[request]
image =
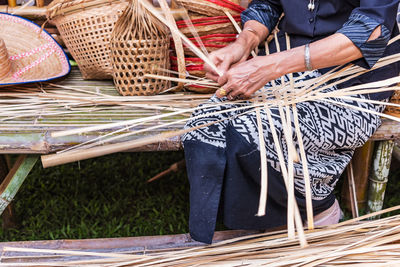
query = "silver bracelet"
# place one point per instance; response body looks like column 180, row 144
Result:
column 307, row 58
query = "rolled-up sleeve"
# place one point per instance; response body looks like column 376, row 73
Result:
column 363, row 21
column 263, row 11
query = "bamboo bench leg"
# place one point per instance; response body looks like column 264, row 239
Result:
column 14, row 179
column 379, row 175
column 8, row 219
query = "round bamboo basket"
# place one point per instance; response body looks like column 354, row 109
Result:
column 86, row 27
column 208, row 25
column 394, row 111
column 140, row 46
column 212, row 7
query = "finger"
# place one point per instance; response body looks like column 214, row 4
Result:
column 212, row 76
column 225, row 64
column 208, row 69
column 223, row 79
column 247, row 92
column 237, row 92
column 223, row 91
column 220, row 92
column 242, row 97
column 216, row 59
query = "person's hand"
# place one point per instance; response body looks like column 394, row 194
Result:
column 234, row 53
column 245, row 78
column 224, row 58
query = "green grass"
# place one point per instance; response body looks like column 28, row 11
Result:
column 109, row 197
column 103, row 197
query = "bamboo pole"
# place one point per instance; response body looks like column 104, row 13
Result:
column 53, row 160
column 15, row 178
column 379, row 176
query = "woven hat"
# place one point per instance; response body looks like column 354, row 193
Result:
column 27, row 53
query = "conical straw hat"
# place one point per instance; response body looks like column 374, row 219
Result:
column 27, row 53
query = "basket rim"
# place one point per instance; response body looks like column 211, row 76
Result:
column 65, row 8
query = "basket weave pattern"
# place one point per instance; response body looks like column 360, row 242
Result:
column 87, row 34
column 132, row 59
column 140, row 46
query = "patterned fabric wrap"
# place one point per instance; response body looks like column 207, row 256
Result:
column 330, row 134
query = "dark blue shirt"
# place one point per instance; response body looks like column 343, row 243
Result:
column 355, row 19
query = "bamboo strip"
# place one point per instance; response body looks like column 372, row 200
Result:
column 177, row 40
column 307, row 182
column 264, row 168
column 297, row 218
column 192, row 47
column 197, row 82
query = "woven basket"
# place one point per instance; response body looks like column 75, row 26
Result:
column 208, row 25
column 195, row 67
column 212, row 7
column 139, row 46
column 211, row 42
column 86, row 27
column 394, row 111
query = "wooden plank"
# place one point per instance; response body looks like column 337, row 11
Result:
column 127, row 243
column 9, row 219
column 387, row 131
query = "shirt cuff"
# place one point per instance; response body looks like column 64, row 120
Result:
column 262, row 13
column 358, row 29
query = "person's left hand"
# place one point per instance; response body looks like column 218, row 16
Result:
column 245, row 78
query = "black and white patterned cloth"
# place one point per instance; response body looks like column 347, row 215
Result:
column 330, row 134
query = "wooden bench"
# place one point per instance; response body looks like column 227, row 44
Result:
column 30, row 137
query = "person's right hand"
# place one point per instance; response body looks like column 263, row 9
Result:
column 224, row 58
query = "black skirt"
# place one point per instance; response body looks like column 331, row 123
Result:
column 223, row 160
